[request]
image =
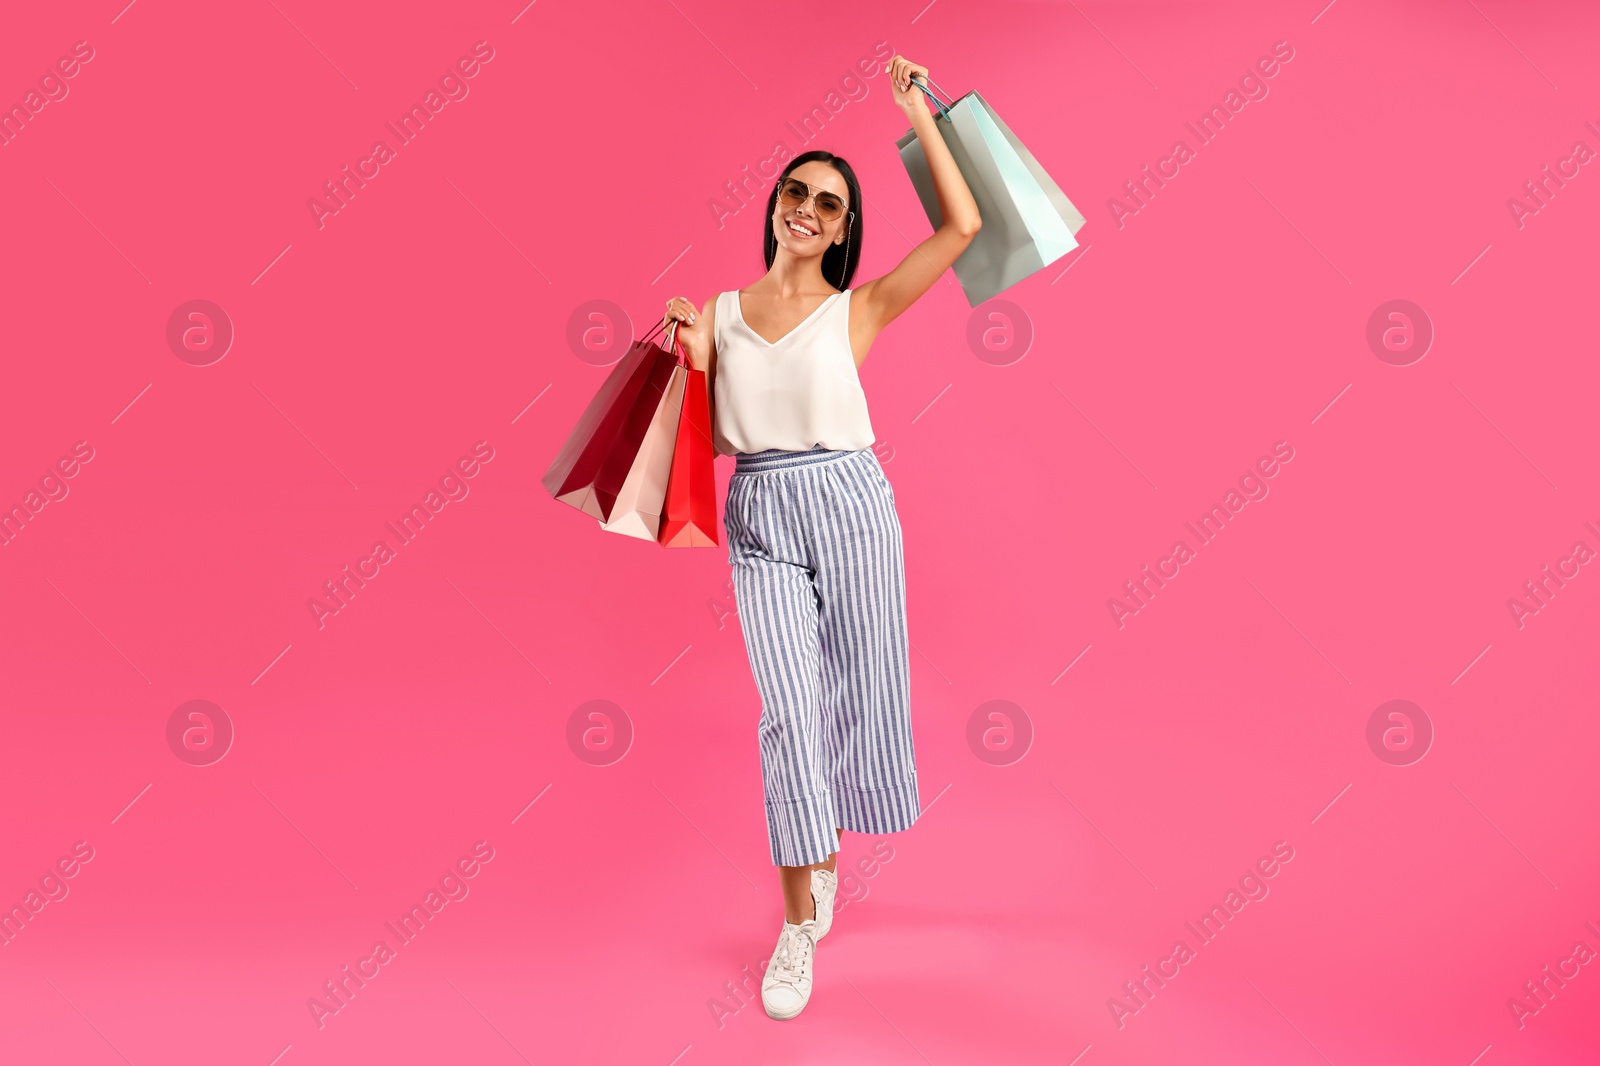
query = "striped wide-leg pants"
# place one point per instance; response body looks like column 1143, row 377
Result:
column 819, row 578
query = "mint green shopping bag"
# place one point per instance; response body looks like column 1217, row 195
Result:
column 1028, row 222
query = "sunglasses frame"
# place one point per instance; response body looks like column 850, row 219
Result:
column 813, row 194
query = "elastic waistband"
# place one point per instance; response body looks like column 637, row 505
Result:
column 778, row 459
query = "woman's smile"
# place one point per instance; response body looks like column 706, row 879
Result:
column 801, row 230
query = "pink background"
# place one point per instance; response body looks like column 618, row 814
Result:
column 433, row 310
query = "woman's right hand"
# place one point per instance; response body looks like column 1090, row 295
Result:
column 693, row 333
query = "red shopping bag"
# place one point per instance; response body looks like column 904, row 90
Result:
column 689, row 513
column 598, row 453
column 642, row 498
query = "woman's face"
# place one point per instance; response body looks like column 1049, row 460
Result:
column 798, row 229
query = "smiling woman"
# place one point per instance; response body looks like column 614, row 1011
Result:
column 813, row 536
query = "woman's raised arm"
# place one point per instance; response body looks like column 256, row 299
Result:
column 882, row 300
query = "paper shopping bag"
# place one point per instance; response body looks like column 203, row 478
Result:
column 637, row 511
column 1058, row 199
column 1028, row 222
column 599, row 452
column 690, row 517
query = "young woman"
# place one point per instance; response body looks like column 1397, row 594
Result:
column 813, row 537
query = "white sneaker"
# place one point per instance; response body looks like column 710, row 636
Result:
column 824, row 887
column 787, row 986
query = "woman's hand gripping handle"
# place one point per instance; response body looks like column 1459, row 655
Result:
column 693, row 330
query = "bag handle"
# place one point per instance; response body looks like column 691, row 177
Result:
column 653, row 331
column 669, row 341
column 675, row 346
column 944, row 111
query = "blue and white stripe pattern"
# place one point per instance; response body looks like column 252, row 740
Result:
column 819, row 577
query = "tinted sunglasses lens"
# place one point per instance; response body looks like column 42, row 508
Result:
column 793, row 193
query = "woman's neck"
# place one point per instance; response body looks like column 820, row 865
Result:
column 790, row 276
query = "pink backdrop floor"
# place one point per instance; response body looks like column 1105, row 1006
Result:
column 1432, row 872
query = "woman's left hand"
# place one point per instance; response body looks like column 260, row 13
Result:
column 901, row 71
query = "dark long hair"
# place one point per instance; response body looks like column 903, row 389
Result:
column 839, row 261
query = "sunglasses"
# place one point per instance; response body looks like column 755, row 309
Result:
column 794, row 192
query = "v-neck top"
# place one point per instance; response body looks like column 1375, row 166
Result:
column 795, row 394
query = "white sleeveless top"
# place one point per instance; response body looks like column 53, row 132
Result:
column 799, row 393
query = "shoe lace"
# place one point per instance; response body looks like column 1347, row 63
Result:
column 790, row 968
